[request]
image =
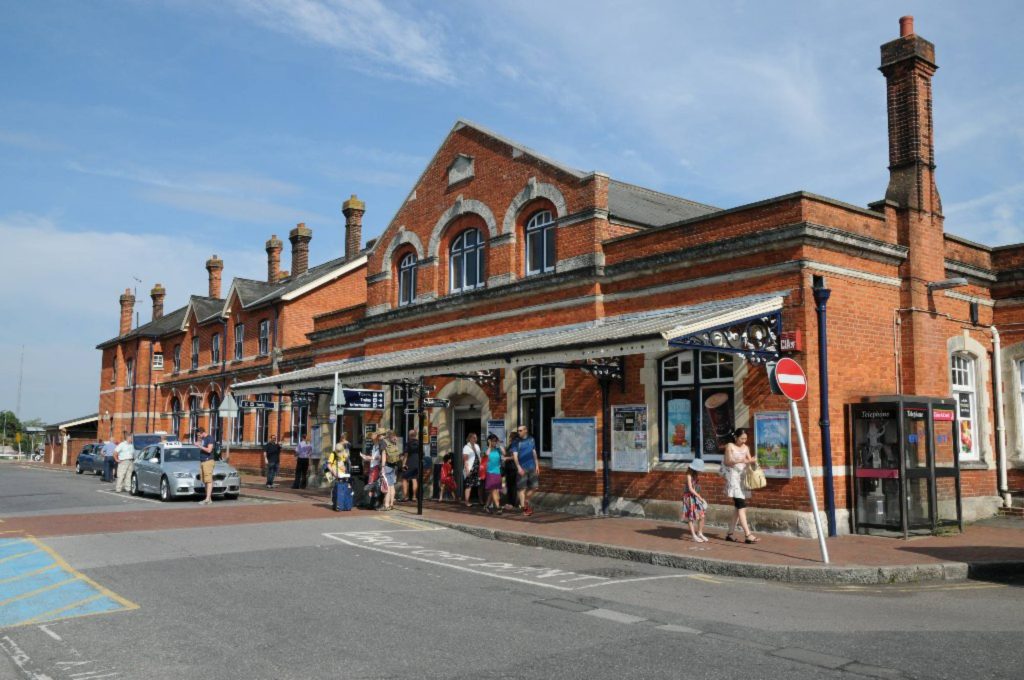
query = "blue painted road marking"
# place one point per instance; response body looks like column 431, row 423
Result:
column 37, row 586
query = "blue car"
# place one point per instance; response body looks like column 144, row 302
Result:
column 90, row 459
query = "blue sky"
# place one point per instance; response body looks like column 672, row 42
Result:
column 138, row 137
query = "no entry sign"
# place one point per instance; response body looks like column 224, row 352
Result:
column 790, row 379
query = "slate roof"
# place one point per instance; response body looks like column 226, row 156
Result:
column 253, row 293
column 638, row 205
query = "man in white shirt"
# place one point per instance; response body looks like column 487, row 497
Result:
column 125, row 454
column 470, row 466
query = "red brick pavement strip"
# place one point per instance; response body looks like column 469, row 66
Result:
column 980, row 551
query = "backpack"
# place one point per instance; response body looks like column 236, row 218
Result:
column 392, row 453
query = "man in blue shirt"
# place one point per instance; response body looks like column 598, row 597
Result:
column 528, row 468
column 109, row 462
column 206, row 463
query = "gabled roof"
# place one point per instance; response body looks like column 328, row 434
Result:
column 525, row 150
column 94, row 418
column 165, row 325
column 252, row 293
column 645, row 207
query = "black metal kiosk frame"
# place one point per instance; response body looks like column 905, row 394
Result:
column 898, row 484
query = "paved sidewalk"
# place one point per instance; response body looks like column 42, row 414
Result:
column 991, row 549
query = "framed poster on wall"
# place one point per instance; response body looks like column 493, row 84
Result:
column 574, row 443
column 773, row 443
column 629, row 439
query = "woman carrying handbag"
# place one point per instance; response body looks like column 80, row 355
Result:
column 737, row 458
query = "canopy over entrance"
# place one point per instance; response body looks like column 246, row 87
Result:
column 746, row 325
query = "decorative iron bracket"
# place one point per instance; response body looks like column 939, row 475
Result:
column 486, row 378
column 755, row 338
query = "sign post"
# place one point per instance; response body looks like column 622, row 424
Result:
column 228, row 409
column 788, row 378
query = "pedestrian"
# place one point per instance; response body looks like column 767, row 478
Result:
column 511, row 474
column 492, row 481
column 125, row 454
column 435, row 477
column 411, row 467
column 272, row 459
column 392, row 453
column 303, row 451
column 109, row 457
column 338, row 469
column 694, row 505
column 737, row 457
column 448, row 485
column 372, row 463
column 206, row 463
column 527, row 469
column 470, row 466
column 342, row 448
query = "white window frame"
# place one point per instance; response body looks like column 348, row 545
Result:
column 407, row 280
column 195, row 407
column 215, row 349
column 177, row 358
column 261, row 433
column 129, row 373
column 541, row 225
column 300, row 422
column 176, row 417
column 158, row 361
column 195, row 353
column 528, row 391
column 963, row 379
column 216, row 422
column 264, row 348
column 459, row 257
column 239, row 341
column 238, row 427
column 695, row 371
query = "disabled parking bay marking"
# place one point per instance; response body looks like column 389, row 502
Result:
column 37, row 586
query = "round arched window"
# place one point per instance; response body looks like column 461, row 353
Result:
column 466, row 261
column 540, row 243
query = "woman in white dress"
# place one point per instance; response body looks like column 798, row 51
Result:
column 737, row 457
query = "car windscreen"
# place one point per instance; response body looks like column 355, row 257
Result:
column 141, row 441
column 181, row 454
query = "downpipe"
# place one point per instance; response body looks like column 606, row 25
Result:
column 997, row 390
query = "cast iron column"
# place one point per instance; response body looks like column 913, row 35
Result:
column 821, row 295
column 606, row 436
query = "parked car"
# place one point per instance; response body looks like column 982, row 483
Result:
column 90, row 459
column 170, row 470
column 140, row 440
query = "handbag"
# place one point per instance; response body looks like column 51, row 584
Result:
column 753, row 477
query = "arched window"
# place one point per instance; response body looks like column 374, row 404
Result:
column 407, row 280
column 697, row 405
column 466, row 263
column 176, row 417
column 962, row 369
column 540, row 243
column 193, row 416
column 215, row 420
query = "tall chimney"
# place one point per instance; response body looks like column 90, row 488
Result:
column 214, row 266
column 127, row 306
column 353, row 210
column 274, row 246
column 158, row 294
column 300, row 237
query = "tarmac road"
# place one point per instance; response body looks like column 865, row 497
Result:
column 187, row 591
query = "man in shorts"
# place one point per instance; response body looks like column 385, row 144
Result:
column 206, row 463
column 527, row 467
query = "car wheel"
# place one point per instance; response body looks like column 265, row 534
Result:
column 78, row 468
column 165, row 490
column 133, row 486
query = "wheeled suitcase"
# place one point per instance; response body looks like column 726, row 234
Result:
column 342, row 495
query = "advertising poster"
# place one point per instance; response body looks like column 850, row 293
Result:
column 679, row 432
column 497, row 427
column 574, row 443
column 629, row 439
column 772, row 443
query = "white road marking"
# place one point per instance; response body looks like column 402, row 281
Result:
column 680, row 629
column 51, row 633
column 634, row 580
column 617, row 617
column 127, row 495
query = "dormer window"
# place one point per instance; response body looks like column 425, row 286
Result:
column 264, row 338
column 215, row 349
column 406, row 280
column 540, row 243
column 195, row 353
column 466, row 262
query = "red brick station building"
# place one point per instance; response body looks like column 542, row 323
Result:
column 631, row 331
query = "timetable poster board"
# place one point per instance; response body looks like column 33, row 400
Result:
column 773, row 444
column 629, row 439
column 574, row 444
column 497, row 428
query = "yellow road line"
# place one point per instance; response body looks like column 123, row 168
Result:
column 54, row 612
column 127, row 604
column 19, row 555
column 38, row 591
column 40, row 570
column 705, row 578
column 406, row 523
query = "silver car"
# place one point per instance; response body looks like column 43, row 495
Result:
column 171, row 470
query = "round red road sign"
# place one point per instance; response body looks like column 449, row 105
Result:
column 790, row 378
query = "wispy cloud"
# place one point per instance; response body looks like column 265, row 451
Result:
column 29, row 141
column 379, row 37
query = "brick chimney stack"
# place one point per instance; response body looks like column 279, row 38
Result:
column 913, row 207
column 353, row 210
column 158, row 294
column 274, row 247
column 214, row 266
column 127, row 307
column 300, row 237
